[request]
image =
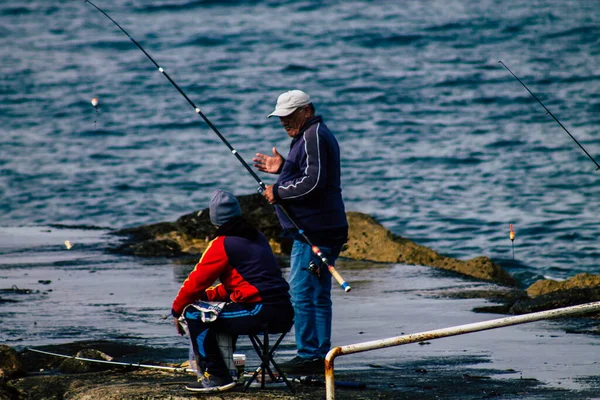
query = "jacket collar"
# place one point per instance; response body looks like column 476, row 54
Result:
column 237, row 226
column 315, row 119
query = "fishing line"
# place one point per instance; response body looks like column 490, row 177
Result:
column 262, row 186
column 174, row 369
column 307, row 380
column 552, row 115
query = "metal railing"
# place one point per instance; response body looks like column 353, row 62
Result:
column 445, row 332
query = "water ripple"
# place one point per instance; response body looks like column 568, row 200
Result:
column 439, row 142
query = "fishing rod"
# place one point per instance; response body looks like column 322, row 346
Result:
column 174, row 369
column 552, row 115
column 316, row 251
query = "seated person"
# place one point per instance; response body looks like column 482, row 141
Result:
column 255, row 292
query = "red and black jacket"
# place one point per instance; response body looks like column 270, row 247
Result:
column 241, row 258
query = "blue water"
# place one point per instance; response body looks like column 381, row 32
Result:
column 439, row 141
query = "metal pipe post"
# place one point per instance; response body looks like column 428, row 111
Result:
column 445, row 332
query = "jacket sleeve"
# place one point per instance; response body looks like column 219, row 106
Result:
column 314, row 167
column 209, row 268
column 216, row 293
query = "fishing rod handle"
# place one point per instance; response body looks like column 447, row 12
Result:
column 345, row 285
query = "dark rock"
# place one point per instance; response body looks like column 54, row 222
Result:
column 7, row 394
column 368, row 240
column 500, row 309
column 157, row 248
column 42, row 387
column 506, row 296
column 497, row 294
column 10, row 363
column 34, row 362
column 146, row 232
column 194, row 231
column 75, row 366
column 565, row 298
column 411, row 380
column 545, row 286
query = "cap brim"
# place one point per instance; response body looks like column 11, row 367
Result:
column 282, row 112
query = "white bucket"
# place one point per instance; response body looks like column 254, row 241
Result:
column 239, row 360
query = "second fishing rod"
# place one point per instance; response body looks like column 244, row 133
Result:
column 315, row 249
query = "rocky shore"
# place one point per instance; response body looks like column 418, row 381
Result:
column 373, row 251
column 32, row 376
column 187, row 238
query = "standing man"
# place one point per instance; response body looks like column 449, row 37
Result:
column 309, row 188
column 252, row 293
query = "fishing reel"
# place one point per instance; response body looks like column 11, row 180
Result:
column 314, row 269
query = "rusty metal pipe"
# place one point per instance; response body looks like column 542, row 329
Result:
column 445, row 332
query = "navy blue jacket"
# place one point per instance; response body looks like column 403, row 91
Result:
column 309, row 185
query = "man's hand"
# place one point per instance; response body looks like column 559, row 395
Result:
column 268, row 193
column 180, row 329
column 271, row 165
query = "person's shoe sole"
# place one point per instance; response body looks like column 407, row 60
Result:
column 213, row 389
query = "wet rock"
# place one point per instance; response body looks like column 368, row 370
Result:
column 546, row 286
column 192, row 232
column 506, row 297
column 74, row 366
column 10, row 363
column 480, row 268
column 499, row 309
column 445, row 374
column 368, row 240
column 447, row 381
column 36, row 362
column 497, row 294
column 5, row 393
column 563, row 298
column 41, row 387
column 157, row 248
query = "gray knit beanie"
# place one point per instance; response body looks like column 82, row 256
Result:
column 223, row 207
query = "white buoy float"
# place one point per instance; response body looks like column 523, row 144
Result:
column 95, row 104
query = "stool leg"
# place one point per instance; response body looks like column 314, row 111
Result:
column 265, row 363
column 266, row 358
column 271, row 354
column 257, row 348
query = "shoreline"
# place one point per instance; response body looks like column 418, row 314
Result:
column 544, row 359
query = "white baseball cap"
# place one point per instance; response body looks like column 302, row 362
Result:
column 288, row 102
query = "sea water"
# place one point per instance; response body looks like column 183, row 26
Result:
column 439, row 142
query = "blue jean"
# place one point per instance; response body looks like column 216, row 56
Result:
column 235, row 319
column 311, row 298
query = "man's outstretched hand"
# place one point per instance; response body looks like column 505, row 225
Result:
column 269, row 164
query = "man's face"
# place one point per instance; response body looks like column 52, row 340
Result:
column 293, row 122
